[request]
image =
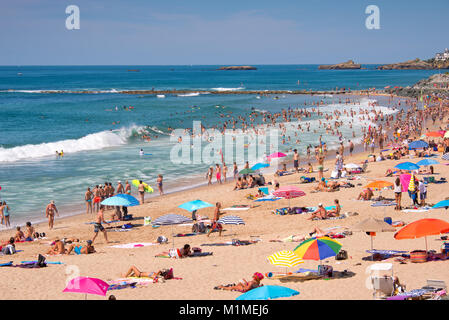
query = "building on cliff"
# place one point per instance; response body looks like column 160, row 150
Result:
column 442, row 56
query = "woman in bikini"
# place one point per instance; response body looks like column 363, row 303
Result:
column 243, row 285
column 159, row 184
column 218, row 173
column 134, row 272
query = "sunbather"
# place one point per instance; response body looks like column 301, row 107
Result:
column 366, row 194
column 134, row 272
column 79, row 249
column 19, row 236
column 243, row 285
column 57, row 248
column 336, row 211
column 319, row 213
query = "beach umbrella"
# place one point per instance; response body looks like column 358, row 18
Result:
column 247, row 171
column 352, row 166
column 171, row 219
column 87, row 285
column 195, row 205
column 373, row 225
column 259, row 165
column 285, row 258
column 442, row 204
column 408, row 166
column 121, row 199
column 422, row 228
column 318, row 248
column 427, row 162
column 231, row 220
column 405, row 181
column 411, row 185
column 268, row 292
column 445, row 156
column 434, row 134
column 379, row 185
column 289, row 192
column 418, row 144
column 277, row 155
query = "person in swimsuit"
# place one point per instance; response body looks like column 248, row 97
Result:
column 236, row 171
column 141, row 189
column 5, row 214
column 320, row 160
column 79, row 249
column 57, row 248
column 97, row 198
column 98, row 224
column 215, row 224
column 120, row 188
column 296, row 160
column 243, row 285
column 225, row 171
column 320, row 213
column 134, row 272
column 335, row 212
column 159, row 184
column 127, row 188
column 50, row 212
column 218, row 172
column 29, row 232
column 209, row 175
column 88, row 196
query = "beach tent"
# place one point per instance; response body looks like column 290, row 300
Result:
column 268, row 292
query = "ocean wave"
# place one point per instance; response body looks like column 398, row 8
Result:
column 94, row 141
column 228, row 89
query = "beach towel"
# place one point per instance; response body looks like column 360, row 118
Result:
column 415, row 210
column 386, row 252
column 133, row 245
column 237, row 208
column 383, row 203
column 410, row 294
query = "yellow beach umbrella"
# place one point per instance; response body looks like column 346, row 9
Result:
column 285, row 258
column 411, row 185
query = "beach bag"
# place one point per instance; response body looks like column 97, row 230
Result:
column 342, row 255
column 147, row 221
column 128, row 217
column 174, row 253
column 161, row 239
column 9, row 249
column 418, row 256
column 325, row 270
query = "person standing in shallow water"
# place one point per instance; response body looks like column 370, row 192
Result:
column 88, row 196
column 50, row 212
column 159, row 184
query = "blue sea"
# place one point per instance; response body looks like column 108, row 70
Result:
column 100, row 137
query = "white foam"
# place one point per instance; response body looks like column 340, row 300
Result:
column 228, row 89
column 94, row 141
column 193, row 94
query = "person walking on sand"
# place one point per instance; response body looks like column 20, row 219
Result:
column 218, row 173
column 141, row 189
column 225, row 171
column 159, row 184
column 351, row 147
column 88, row 196
column 296, row 160
column 215, row 223
column 209, row 174
column 98, row 224
column 235, row 171
column 97, row 197
column 120, row 188
column 320, row 160
column 50, row 212
column 127, row 188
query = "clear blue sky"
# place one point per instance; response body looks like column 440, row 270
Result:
column 147, row 32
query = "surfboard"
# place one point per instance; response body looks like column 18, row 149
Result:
column 147, row 187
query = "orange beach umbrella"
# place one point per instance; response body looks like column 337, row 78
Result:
column 422, row 228
column 379, row 185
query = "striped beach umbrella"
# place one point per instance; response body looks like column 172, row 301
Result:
column 445, row 156
column 171, row 219
column 285, row 258
column 318, row 248
column 411, row 185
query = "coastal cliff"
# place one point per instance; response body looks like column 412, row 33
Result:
column 437, row 83
column 341, row 66
column 238, row 68
column 416, row 64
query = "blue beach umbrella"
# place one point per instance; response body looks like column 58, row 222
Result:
column 442, row 204
column 268, row 292
column 409, row 166
column 427, row 162
column 121, row 199
column 195, row 205
column 418, row 144
column 259, row 165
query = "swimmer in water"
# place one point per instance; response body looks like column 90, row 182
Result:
column 141, row 152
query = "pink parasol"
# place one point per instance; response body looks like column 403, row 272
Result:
column 87, row 285
column 405, row 181
column 289, row 192
column 277, row 155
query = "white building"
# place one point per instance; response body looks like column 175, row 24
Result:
column 442, row 56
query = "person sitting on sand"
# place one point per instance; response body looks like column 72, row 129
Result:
column 243, row 285
column 57, row 248
column 19, row 236
column 398, row 287
column 366, row 194
column 79, row 249
column 29, row 232
column 238, row 184
column 319, row 213
column 309, row 168
column 336, row 211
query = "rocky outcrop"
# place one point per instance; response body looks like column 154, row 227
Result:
column 416, row 64
column 341, row 66
column 437, row 83
column 238, row 68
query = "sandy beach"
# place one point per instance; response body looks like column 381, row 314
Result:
column 228, row 264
